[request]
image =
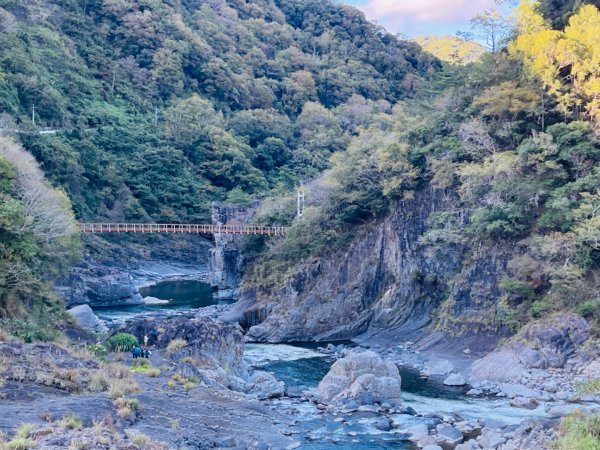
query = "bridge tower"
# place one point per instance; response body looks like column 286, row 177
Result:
column 301, row 202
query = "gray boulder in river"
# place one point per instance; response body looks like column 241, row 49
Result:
column 361, row 375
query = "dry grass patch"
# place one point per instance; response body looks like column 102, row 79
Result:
column 22, row 440
column 153, row 372
column 126, row 407
column 71, row 423
column 121, row 388
column 176, row 344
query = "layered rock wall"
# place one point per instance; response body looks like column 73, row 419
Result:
column 394, row 279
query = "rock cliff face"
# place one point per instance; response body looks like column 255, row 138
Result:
column 115, row 267
column 99, row 286
column 392, row 280
column 226, row 262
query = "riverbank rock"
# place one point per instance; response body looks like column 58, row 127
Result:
column 154, row 301
column 205, row 339
column 363, row 376
column 448, row 436
column 99, row 286
column 438, row 367
column 540, row 345
column 455, row 379
column 264, row 385
column 86, row 319
column 525, row 402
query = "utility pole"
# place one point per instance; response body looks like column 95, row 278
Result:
column 33, row 114
column 156, row 116
column 301, row 202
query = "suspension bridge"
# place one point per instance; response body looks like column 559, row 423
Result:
column 177, row 228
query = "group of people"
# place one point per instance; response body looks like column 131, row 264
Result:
column 143, row 351
column 140, row 352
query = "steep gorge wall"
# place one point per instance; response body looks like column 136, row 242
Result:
column 226, row 262
column 390, row 280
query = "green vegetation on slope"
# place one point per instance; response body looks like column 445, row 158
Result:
column 38, row 239
column 169, row 105
column 517, row 165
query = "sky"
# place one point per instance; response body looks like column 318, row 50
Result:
column 417, row 17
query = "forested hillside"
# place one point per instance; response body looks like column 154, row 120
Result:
column 511, row 142
column 38, row 241
column 164, row 106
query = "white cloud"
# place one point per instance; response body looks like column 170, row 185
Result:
column 428, row 11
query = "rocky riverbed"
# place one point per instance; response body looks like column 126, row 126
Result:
column 547, row 360
column 373, row 393
column 215, row 385
column 200, row 394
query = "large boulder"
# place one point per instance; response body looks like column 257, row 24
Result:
column 556, row 339
column 517, row 390
column 264, row 385
column 456, row 379
column 448, row 436
column 361, row 375
column 86, row 319
column 215, row 343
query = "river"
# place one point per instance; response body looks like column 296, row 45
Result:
column 184, row 297
column 301, row 367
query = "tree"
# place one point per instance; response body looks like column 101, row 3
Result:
column 298, row 89
column 507, row 100
column 49, row 213
column 167, row 69
column 7, row 125
column 567, row 62
column 187, row 120
column 492, row 29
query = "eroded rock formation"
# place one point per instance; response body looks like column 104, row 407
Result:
column 390, row 281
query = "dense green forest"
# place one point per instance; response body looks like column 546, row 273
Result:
column 164, row 106
column 512, row 141
column 150, row 110
column 159, row 108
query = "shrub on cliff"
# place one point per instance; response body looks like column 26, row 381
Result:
column 176, row 344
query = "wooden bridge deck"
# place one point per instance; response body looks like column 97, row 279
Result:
column 180, row 228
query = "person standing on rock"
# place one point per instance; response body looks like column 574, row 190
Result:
column 145, row 341
column 154, row 333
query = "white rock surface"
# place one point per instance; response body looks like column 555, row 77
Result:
column 154, row 301
column 455, row 379
column 264, row 385
column 361, row 373
column 86, row 319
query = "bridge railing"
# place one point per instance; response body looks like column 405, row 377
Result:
column 180, row 228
